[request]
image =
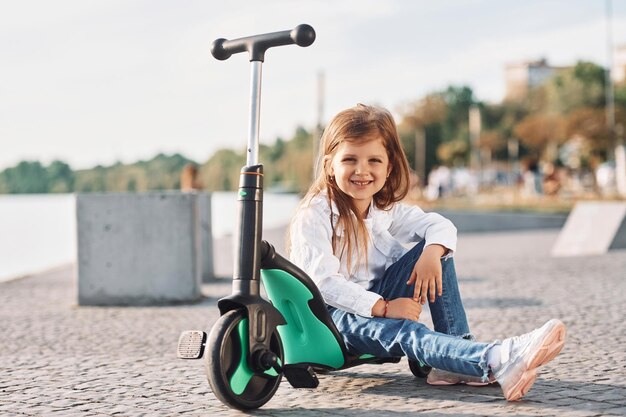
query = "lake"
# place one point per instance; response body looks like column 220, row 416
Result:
column 38, row 232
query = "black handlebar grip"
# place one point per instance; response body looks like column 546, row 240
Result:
column 301, row 35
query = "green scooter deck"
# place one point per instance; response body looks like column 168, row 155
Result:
column 305, row 338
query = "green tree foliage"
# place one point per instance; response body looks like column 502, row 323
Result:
column 288, row 165
column 91, row 180
column 443, row 117
column 27, row 177
column 60, row 178
column 160, row 173
column 574, row 88
column 458, row 102
column 221, row 171
column 294, row 170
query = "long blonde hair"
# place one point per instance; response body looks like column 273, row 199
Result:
column 358, row 125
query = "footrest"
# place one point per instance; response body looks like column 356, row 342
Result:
column 191, row 344
column 302, row 376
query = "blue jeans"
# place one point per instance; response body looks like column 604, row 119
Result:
column 449, row 347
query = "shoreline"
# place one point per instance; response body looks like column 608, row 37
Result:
column 40, row 271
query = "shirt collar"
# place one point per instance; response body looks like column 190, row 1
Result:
column 373, row 211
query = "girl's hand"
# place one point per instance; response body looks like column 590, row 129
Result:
column 400, row 308
column 404, row 308
column 427, row 274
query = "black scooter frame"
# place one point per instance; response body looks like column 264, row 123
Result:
column 263, row 317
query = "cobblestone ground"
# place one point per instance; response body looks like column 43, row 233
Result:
column 59, row 359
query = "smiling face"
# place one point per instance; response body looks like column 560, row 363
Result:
column 360, row 170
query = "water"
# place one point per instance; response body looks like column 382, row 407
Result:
column 277, row 211
column 38, row 232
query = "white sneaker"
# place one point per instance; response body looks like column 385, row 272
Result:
column 521, row 355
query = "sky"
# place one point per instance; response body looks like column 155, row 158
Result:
column 100, row 81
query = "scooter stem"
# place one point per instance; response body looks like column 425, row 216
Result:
column 252, row 154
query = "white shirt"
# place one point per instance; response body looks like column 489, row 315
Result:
column 390, row 231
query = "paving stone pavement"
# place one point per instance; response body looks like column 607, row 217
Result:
column 60, row 359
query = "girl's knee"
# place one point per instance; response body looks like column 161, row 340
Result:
column 448, row 270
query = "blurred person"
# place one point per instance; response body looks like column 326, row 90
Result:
column 551, row 183
column 439, row 182
column 605, row 178
column 464, row 182
column 531, row 178
column 189, row 180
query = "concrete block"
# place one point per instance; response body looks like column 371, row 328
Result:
column 592, row 228
column 141, row 249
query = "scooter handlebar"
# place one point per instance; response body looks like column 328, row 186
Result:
column 301, row 35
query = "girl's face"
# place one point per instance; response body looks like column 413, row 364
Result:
column 360, row 170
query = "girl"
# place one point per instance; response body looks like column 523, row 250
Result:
column 350, row 235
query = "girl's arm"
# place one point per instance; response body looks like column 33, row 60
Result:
column 311, row 250
column 410, row 223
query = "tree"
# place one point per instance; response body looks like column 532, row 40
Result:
column 453, row 151
column 590, row 124
column 302, row 139
column 458, row 102
column 574, row 88
column 160, row 173
column 277, row 151
column 91, row 180
column 60, row 177
column 27, row 177
column 541, row 132
column 498, row 123
column 443, row 116
column 491, row 140
column 221, row 171
column 620, row 95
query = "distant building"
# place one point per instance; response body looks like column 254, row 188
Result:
column 618, row 72
column 523, row 76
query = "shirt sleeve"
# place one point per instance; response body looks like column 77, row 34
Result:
column 311, row 250
column 411, row 224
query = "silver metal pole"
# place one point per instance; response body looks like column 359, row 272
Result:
column 610, row 99
column 420, row 154
column 255, row 114
column 619, row 154
column 474, row 132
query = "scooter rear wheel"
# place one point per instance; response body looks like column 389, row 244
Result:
column 419, row 369
column 230, row 376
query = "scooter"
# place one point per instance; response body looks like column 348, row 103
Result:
column 256, row 342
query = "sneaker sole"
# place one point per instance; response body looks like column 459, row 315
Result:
column 477, row 384
column 446, row 384
column 550, row 346
column 459, row 382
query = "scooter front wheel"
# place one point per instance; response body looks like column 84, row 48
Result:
column 230, row 375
